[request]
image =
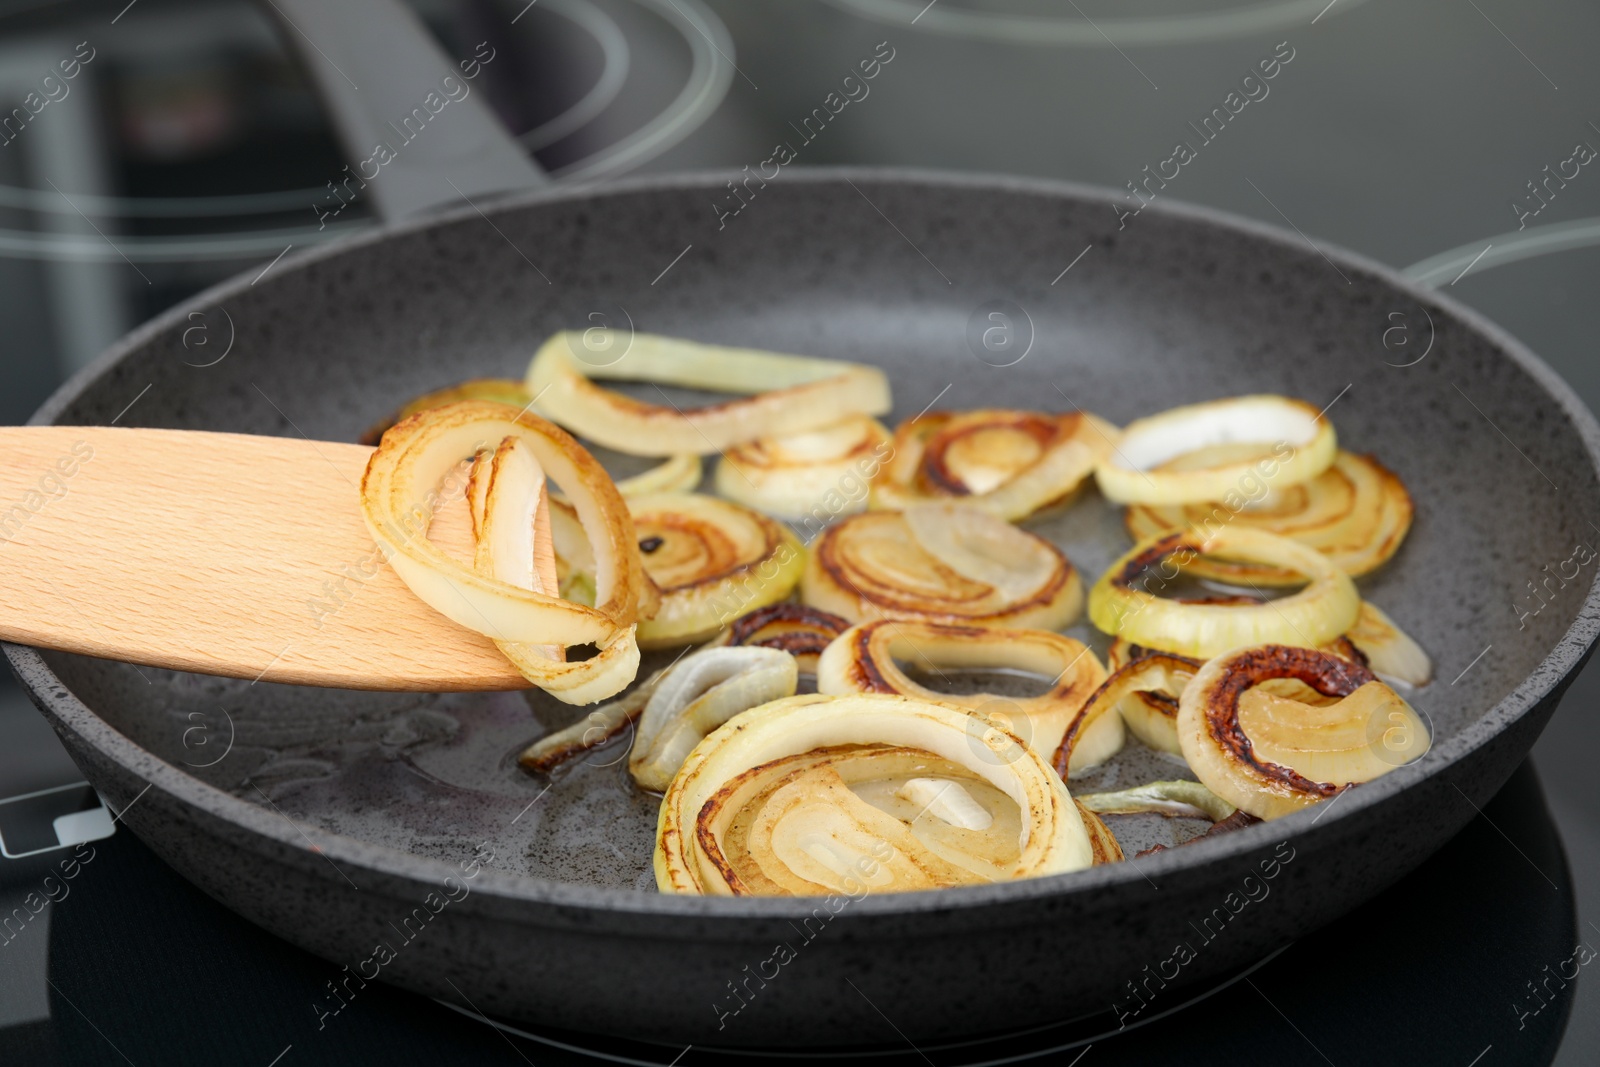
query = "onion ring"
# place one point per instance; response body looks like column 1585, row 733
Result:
column 712, row 561
column 826, row 469
column 698, row 694
column 1145, row 692
column 1305, row 442
column 1356, row 513
column 944, row 562
column 1271, row 756
column 1316, row 615
column 398, row 496
column 511, row 525
column 795, row 394
column 1173, row 799
column 801, row 631
column 1009, row 463
column 863, row 660
column 818, row 836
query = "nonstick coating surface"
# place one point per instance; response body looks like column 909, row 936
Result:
column 563, row 925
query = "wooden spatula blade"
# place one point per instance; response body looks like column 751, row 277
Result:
column 218, row 553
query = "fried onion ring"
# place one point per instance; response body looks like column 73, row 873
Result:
column 1009, row 463
column 943, row 562
column 810, row 795
column 793, row 394
column 863, row 660
column 1356, row 513
column 1269, row 755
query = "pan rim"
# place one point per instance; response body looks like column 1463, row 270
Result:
column 1558, row 664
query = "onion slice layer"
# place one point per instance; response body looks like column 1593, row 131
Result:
column 1270, row 755
column 794, row 394
column 799, row 797
column 824, row 471
column 712, row 561
column 942, row 562
column 399, row 492
column 1122, row 603
column 1302, row 444
column 801, row 631
column 864, row 660
column 1356, row 513
column 1009, row 463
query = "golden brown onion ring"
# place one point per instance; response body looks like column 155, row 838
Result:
column 793, row 394
column 1009, row 463
column 1145, row 692
column 738, row 819
column 1303, row 446
column 1356, row 513
column 698, row 694
column 712, row 561
column 826, row 469
column 1269, row 755
column 863, row 660
column 801, row 631
column 1122, row 603
column 399, row 493
column 943, row 562
column 514, row 544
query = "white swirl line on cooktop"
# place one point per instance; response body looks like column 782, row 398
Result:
column 1510, row 247
column 710, row 77
column 1074, row 33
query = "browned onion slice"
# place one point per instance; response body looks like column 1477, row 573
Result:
column 1144, row 690
column 712, row 560
column 864, row 660
column 818, row 794
column 824, row 471
column 801, row 631
column 1010, row 463
column 943, row 562
column 1356, row 513
column 1271, row 755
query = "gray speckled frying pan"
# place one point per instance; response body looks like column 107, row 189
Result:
column 342, row 820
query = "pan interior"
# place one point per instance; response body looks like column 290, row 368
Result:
column 1172, row 309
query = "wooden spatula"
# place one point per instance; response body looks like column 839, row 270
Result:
column 219, row 553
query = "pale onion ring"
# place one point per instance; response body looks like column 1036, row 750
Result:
column 1375, row 641
column 1271, row 756
column 863, row 660
column 1356, row 513
column 801, row 631
column 1144, row 692
column 1180, row 799
column 1130, row 475
column 398, row 495
column 1052, row 836
column 794, row 394
column 1102, row 841
column 824, row 471
column 1316, row 615
column 1009, row 463
column 511, row 524
column 1389, row 650
column 698, row 694
column 944, row 562
column 591, row 731
column 712, row 561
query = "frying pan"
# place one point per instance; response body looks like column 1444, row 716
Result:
column 335, row 818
